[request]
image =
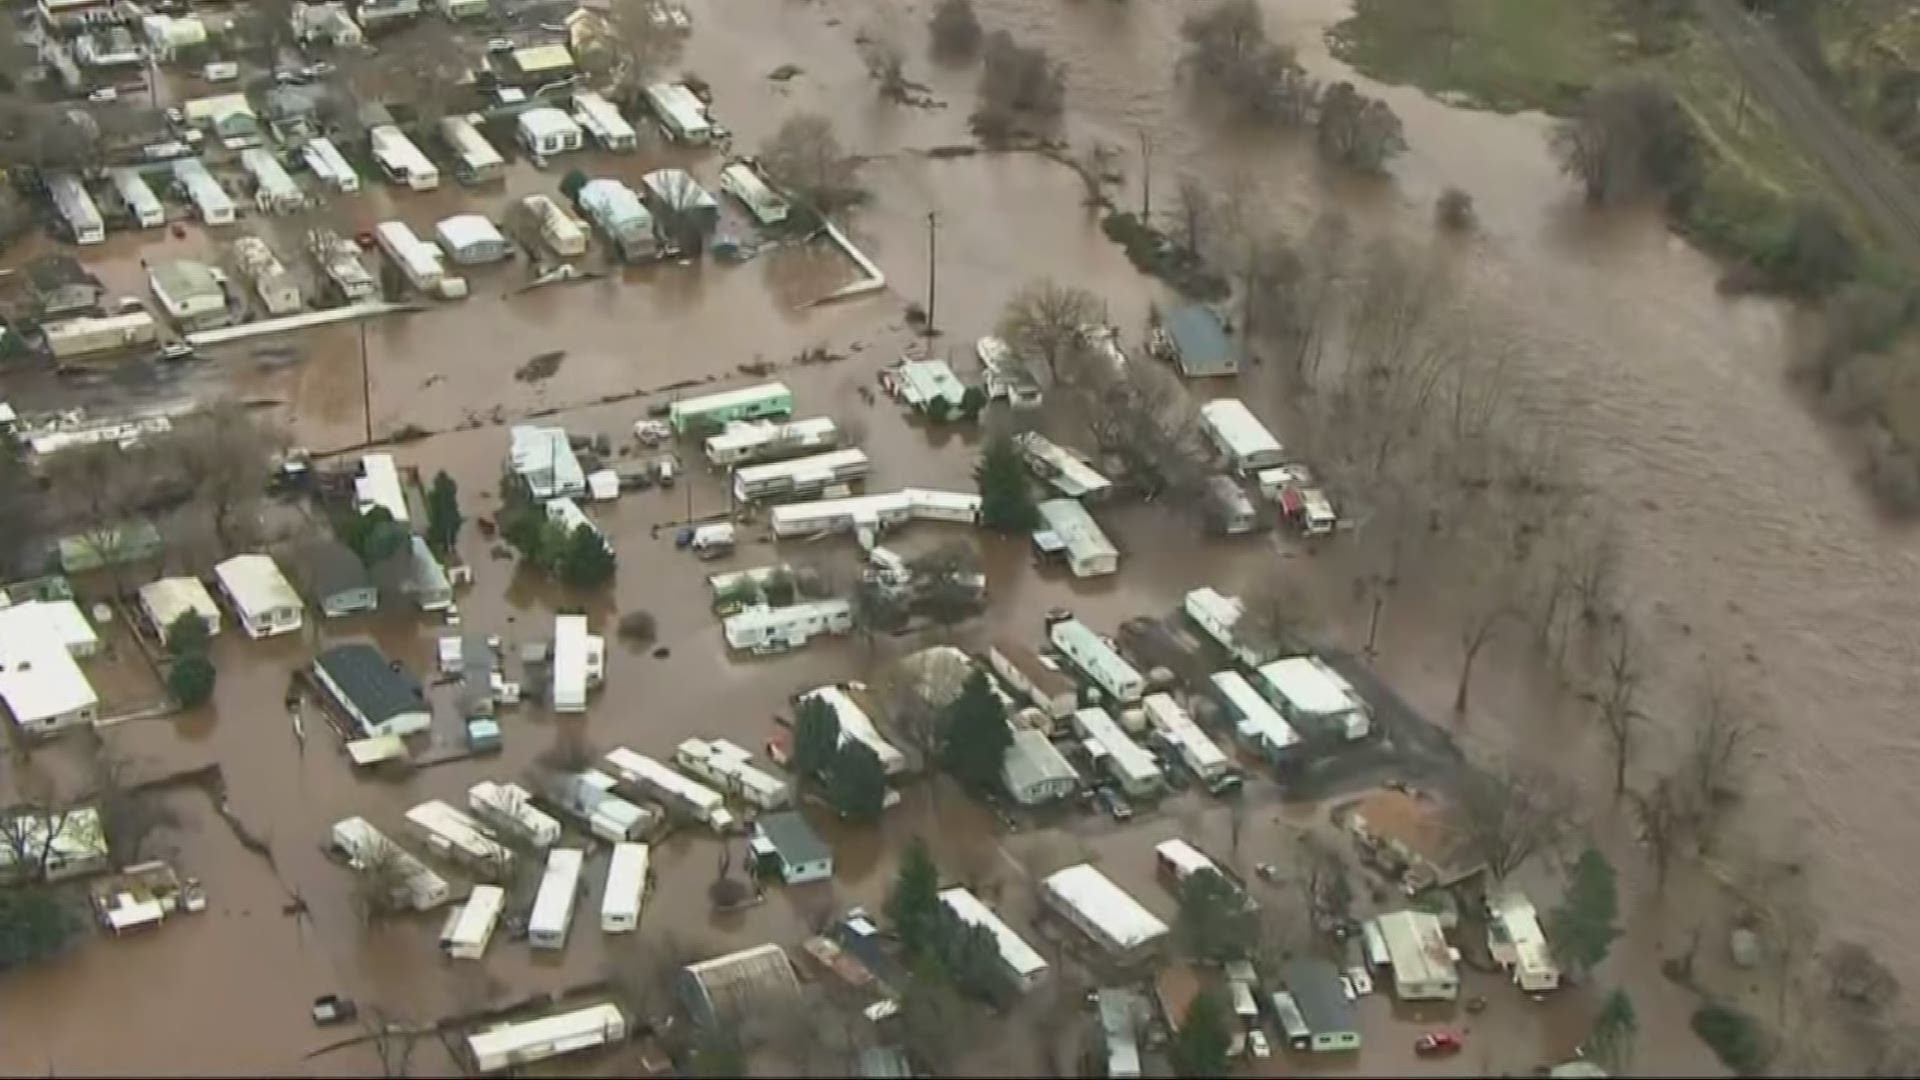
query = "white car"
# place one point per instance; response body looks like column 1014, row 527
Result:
column 1257, row 1044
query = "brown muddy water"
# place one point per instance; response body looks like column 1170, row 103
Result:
column 1743, row 533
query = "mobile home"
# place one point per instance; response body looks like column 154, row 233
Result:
column 546, row 131
column 475, row 159
column 1220, row 616
column 1516, row 942
column 1227, row 509
column 339, row 257
column 1103, row 911
column 1020, row 668
column 589, row 795
column 209, row 199
column 378, row 484
column 77, row 208
column 602, row 120
column 1063, row 470
column 418, row 260
column 800, row 478
column 1425, row 967
column 1312, row 695
column 1100, row 662
column 1174, row 727
column 365, row 846
column 330, row 166
column 680, row 794
column 1067, row 530
column 682, row 115
column 1025, row 968
column 511, row 1046
column 470, row 926
column 743, row 183
column 279, row 293
column 579, row 662
column 1135, row 770
column 141, row 203
column 509, row 806
column 543, row 458
column 452, row 834
column 626, row 889
column 553, row 904
column 559, row 230
column 868, row 515
column 401, row 161
column 76, row 338
column 730, row 768
column 765, row 631
column 1256, row 723
column 471, row 240
column 260, row 595
column 856, row 724
column 744, row 442
column 1242, row 440
column 274, row 192
column 712, row 412
column 617, row 210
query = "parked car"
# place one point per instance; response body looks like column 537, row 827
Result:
column 1116, row 804
column 333, row 1009
column 1257, row 1045
column 1437, row 1044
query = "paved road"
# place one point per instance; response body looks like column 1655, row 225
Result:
column 1879, row 183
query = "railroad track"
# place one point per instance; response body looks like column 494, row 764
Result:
column 1879, row 184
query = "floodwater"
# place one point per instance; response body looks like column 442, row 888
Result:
column 1739, row 517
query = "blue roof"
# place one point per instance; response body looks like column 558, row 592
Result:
column 1200, row 340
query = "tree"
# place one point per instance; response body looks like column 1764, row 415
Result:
column 954, row 31
column 1582, row 928
column 947, row 583
column 1358, row 131
column 268, row 27
column 1216, row 922
column 1453, row 210
column 816, row 737
column 857, row 783
column 1046, row 321
column 101, row 492
column 373, row 535
column 1616, row 702
column 971, row 955
column 805, row 157
column 1023, row 92
column 624, row 46
column 443, row 514
column 188, row 635
column 381, row 882
column 934, row 1022
column 976, row 735
column 913, row 906
column 1144, row 418
column 1813, row 255
column 224, row 453
column 1631, row 138
column 585, row 561
column 426, row 69
column 1610, row 1042
column 717, row 1052
column 1229, row 54
column 1200, row 1047
column 21, row 505
column 129, row 816
column 35, row 925
column 190, row 680
column 1275, row 615
column 1006, row 500
column 1510, row 816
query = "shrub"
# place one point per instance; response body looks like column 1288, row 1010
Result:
column 191, row 681
column 954, row 30
column 1733, row 1035
column 1454, row 210
column 638, row 626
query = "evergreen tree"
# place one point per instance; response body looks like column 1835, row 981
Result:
column 1215, row 921
column 191, row 680
column 1582, row 928
column 374, row 535
column 1006, row 500
column 913, row 906
column 443, row 513
column 34, row 925
column 586, row 562
column 975, row 736
column 1200, row 1047
column 857, row 783
column 188, row 635
column 1611, row 1041
column 816, row 738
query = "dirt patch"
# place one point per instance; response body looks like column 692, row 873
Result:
column 540, row 368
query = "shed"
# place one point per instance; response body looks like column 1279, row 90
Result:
column 61, row 286
column 687, row 210
column 546, row 131
column 794, row 848
column 380, row 697
column 1034, row 770
column 165, row 600
column 1331, row 1020
column 1198, row 342
column 260, row 595
column 336, row 580
column 470, row 239
column 190, row 293
column 726, row 987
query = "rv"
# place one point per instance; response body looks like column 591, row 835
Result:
column 1100, row 662
column 454, row 835
column 330, row 166
column 475, row 159
column 553, row 904
column 510, row 807
column 208, row 197
column 470, row 926
column 683, row 796
column 600, row 119
column 418, row 260
column 559, row 230
column 400, row 160
column 274, row 192
column 625, row 890
column 141, row 203
column 682, row 115
column 579, row 662
column 77, row 208
column 742, row 182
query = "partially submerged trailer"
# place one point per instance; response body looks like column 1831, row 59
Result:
column 713, row 412
column 601, row 120
column 509, row 807
column 682, row 115
column 1220, row 616
column 469, row 928
column 625, row 889
column 553, row 904
column 330, row 166
column 367, row 848
column 1242, row 440
column 765, row 631
column 1311, row 694
column 138, row 197
column 1069, row 532
column 339, row 257
column 1099, row 661
column 1063, row 470
column 1257, row 723
column 1050, row 691
column 76, row 338
column 730, row 768
column 559, row 230
column 619, row 212
column 743, row 183
column 475, row 160
column 856, row 725
column 454, row 835
column 400, row 160
column 279, row 293
column 800, row 478
column 686, row 797
column 209, row 199
column 1103, row 911
column 416, row 259
column 1116, row 754
column 76, row 208
column 745, row 442
column 589, row 795
column 274, row 192
column 508, row 1046
column 1207, row 762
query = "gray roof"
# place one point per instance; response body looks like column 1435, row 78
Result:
column 182, row 278
column 377, row 689
column 717, row 989
column 1200, row 340
column 330, row 568
column 50, row 272
column 1031, row 758
column 793, row 838
column 1315, row 986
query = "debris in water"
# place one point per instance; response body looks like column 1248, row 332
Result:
column 784, row 72
column 540, row 368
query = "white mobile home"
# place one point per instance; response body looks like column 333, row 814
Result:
column 418, row 260
column 471, row 240
column 546, row 131
column 1219, row 615
column 716, row 411
column 1311, row 694
column 274, row 192
column 510, row 807
column 684, row 796
column 626, row 889
column 1025, row 967
column 463, row 9
column 742, row 182
column 800, row 478
column 41, row 684
column 869, row 514
column 513, row 1045
column 602, row 120
column 452, row 834
column 1063, row 470
column 553, row 904
column 1517, row 943
column 856, row 724
column 76, row 208
column 75, row 338
column 618, row 211
column 379, row 485
column 261, row 595
column 1425, row 967
column 682, row 114
column 765, row 631
column 475, row 159
column 1176, row 729
column 401, row 161
column 543, row 458
column 1176, row 860
column 1257, row 723
column 744, row 442
column 1103, row 911
column 279, row 293
column 1135, row 770
column 1100, row 662
column 1068, row 530
column 141, row 203
column 1243, row 441
column 330, row 165
column 731, row 769
column 340, row 258
column 589, row 795
column 579, row 662
column 1020, row 668
column 470, row 926
column 365, row 846
column 559, row 230
column 209, row 199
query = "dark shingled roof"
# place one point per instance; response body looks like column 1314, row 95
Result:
column 1200, row 341
column 330, row 567
column 376, row 688
column 1315, row 986
column 793, row 838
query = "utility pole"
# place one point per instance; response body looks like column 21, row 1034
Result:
column 1146, row 179
column 366, row 383
column 933, row 269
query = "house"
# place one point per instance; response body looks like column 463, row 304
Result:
column 61, row 286
column 167, row 599
column 325, row 24
column 41, row 684
column 793, row 848
column 230, row 117
column 1517, row 943
column 58, row 845
column 378, row 696
column 686, row 211
column 544, row 458
column 337, row 582
column 727, row 988
column 260, row 594
column 617, row 210
column 1195, row 340
column 1068, row 531
column 1034, row 771
column 277, row 289
column 1331, row 1021
column 1103, row 911
column 921, row 383
column 471, row 240
column 1123, row 1017
column 191, row 293
column 546, row 131
column 1425, row 967
column 1025, row 967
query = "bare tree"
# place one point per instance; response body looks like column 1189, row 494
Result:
column 424, row 68
column 1276, row 615
column 129, row 815
column 268, row 27
column 570, row 752
column 382, row 882
column 1723, row 740
column 886, row 61
column 805, row 157
column 953, row 33
column 1229, row 54
column 640, row 970
column 1631, row 138
column 626, row 45
column 1023, row 91
column 1046, row 321
column 1142, row 417
column 1615, row 701
column 1357, row 131
column 393, row 1041
column 1511, row 815
column 101, row 490
column 1194, row 209
column 225, row 454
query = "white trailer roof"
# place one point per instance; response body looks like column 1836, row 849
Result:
column 379, row 485
column 1063, row 468
column 1185, row 858
column 326, row 160
column 681, row 106
column 139, row 196
column 511, row 800
column 1119, row 917
column 466, row 230
column 573, row 650
column 545, row 122
column 267, row 171
column 1258, row 720
column 477, row 916
column 39, row 680
column 1173, row 722
column 1088, row 650
column 468, row 144
column 70, row 195
column 856, row 724
column 637, row 768
column 458, row 829
column 1238, row 430
column 256, row 585
column 1309, row 686
column 831, row 465
column 1099, row 727
column 743, row 436
column 1076, row 528
column 600, row 117
column 553, row 904
column 169, row 598
column 550, row 1036
column 391, row 146
column 1417, row 945
column 1014, row 951
column 627, row 872
column 420, row 259
column 728, row 399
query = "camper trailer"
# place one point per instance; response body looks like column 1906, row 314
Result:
column 743, row 183
column 602, row 120
column 1100, row 662
column 141, row 203
column 475, row 159
column 559, row 230
column 626, row 889
column 76, row 208
column 509, row 807
column 400, row 160
column 330, row 166
column 209, row 199
column 553, row 904
column 470, row 926
column 274, row 192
